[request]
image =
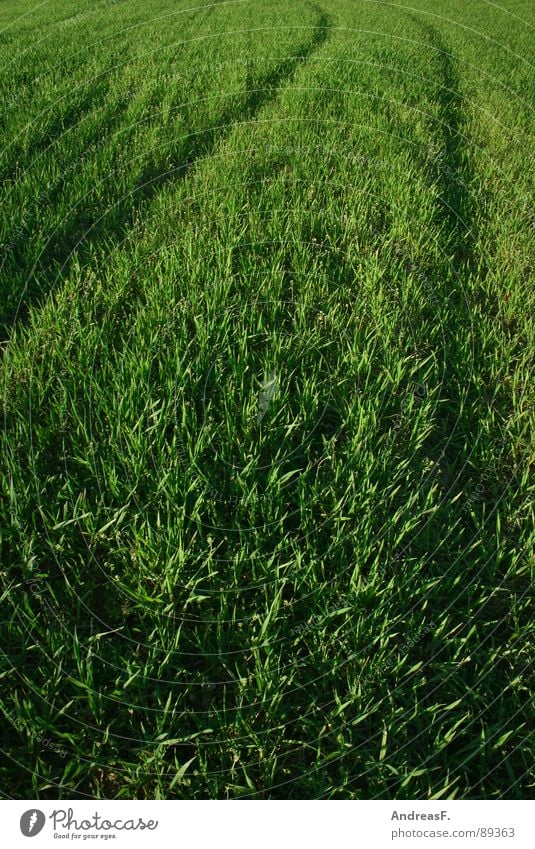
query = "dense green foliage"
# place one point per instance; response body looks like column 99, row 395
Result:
column 264, row 295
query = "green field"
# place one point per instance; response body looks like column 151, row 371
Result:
column 265, row 290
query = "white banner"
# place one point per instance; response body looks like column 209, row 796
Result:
column 270, row 825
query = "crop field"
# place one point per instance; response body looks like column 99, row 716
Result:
column 266, row 511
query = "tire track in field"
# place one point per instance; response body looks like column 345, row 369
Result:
column 456, row 204
column 460, row 213
column 22, row 269
column 454, row 441
column 58, row 254
column 265, row 92
column 455, row 216
column 51, row 128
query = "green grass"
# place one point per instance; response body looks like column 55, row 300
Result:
column 266, row 511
